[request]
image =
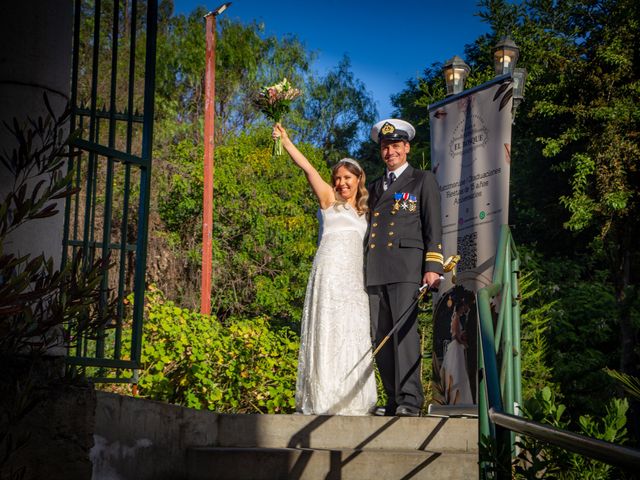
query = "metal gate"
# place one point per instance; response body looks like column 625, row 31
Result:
column 112, row 102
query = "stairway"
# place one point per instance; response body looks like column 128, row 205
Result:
column 269, row 447
column 138, row 439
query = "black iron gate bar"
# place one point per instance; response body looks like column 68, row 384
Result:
column 93, row 352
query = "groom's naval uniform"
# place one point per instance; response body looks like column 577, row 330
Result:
column 404, row 242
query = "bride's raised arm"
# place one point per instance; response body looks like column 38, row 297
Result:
column 322, row 189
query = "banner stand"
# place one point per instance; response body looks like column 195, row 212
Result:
column 470, row 156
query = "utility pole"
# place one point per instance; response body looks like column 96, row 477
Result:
column 209, row 167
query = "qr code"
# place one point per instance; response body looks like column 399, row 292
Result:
column 468, row 251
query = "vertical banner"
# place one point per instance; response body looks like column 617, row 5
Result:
column 470, row 156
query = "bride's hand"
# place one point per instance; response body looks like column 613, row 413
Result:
column 279, row 132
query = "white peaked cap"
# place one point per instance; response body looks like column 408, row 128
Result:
column 392, row 128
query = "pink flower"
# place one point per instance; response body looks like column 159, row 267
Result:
column 275, row 101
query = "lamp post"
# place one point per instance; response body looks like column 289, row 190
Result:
column 209, row 117
column 505, row 56
column 455, row 73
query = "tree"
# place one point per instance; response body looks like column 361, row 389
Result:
column 265, row 230
column 338, row 111
column 581, row 128
column 245, row 60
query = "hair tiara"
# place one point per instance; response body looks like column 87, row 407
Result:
column 349, row 160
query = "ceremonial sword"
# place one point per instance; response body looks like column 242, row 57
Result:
column 449, row 265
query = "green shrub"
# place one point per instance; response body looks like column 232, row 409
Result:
column 541, row 460
column 193, row 360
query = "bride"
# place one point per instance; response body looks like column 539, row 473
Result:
column 335, row 367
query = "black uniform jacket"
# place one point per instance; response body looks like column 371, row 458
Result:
column 405, row 230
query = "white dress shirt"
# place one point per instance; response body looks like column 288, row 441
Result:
column 397, row 172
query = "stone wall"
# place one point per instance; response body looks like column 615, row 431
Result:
column 48, row 421
column 143, row 439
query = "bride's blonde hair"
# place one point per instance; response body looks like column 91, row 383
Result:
column 362, row 195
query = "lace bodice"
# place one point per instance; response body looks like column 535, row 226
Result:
column 341, row 218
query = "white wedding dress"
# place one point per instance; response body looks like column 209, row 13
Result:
column 335, row 366
column 454, row 372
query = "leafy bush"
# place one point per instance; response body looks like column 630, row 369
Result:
column 536, row 323
column 541, row 460
column 193, row 360
column 584, row 340
column 569, row 331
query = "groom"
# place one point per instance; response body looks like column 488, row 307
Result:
column 403, row 252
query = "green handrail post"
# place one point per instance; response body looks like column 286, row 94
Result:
column 491, row 391
column 507, row 350
column 487, row 344
column 501, row 317
column 501, row 253
column 483, row 409
column 517, row 358
column 500, row 388
column 502, row 341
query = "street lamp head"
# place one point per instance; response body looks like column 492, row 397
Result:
column 455, row 73
column 519, row 78
column 505, row 56
column 219, row 10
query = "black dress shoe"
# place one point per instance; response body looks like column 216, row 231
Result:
column 379, row 411
column 384, row 411
column 405, row 411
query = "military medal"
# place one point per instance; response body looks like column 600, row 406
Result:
column 405, row 203
column 396, row 205
column 413, row 203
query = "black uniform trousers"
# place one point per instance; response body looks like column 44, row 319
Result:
column 399, row 367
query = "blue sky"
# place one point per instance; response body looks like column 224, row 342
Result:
column 388, row 42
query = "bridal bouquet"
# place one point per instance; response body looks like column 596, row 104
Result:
column 274, row 102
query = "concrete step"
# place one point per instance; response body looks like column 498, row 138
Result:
column 312, row 464
column 267, row 447
column 438, row 434
column 147, row 440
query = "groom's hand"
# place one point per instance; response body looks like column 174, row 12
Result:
column 432, row 279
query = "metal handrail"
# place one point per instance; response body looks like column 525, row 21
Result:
column 500, row 390
column 607, row 452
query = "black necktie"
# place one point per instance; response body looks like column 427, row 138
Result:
column 392, row 178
